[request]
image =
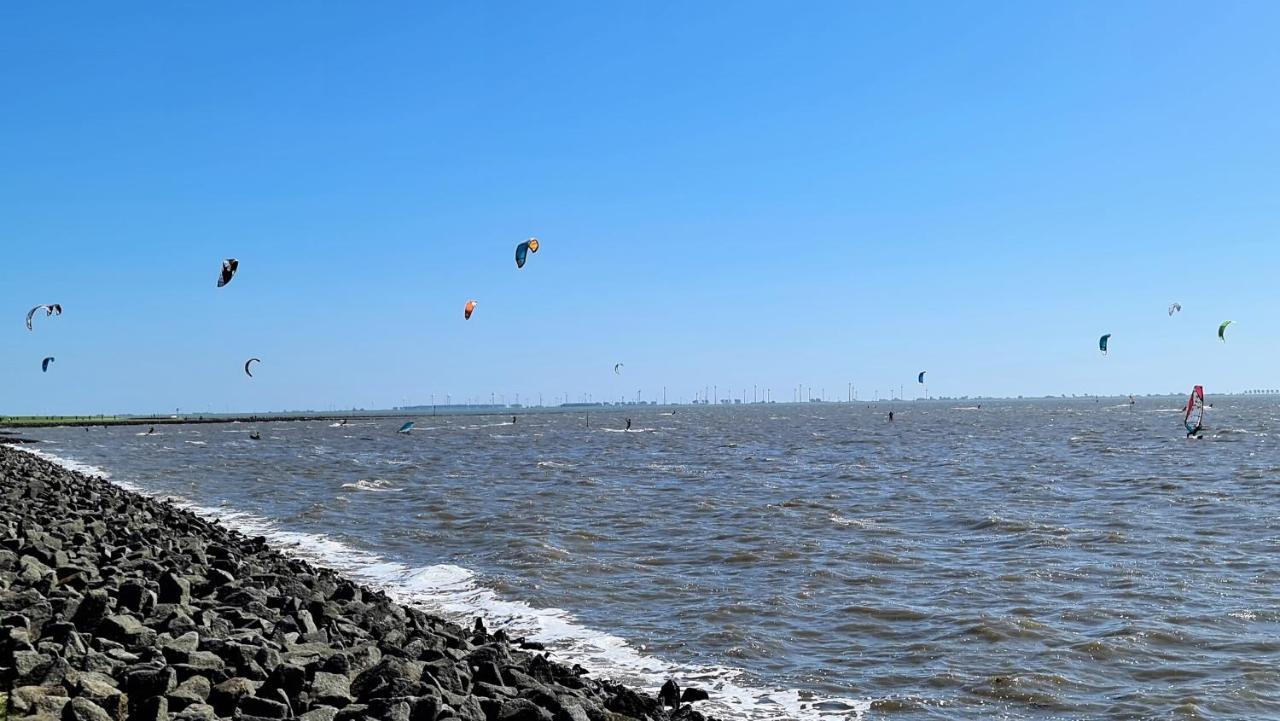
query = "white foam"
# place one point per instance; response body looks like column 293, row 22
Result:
column 454, row 592
column 374, row 484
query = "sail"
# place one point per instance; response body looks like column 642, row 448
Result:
column 1193, row 419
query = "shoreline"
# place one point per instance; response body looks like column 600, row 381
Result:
column 122, row 606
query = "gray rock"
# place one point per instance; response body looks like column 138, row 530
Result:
column 321, row 713
column 194, row 690
column 82, row 709
column 196, row 712
column 226, row 696
column 155, row 708
column 519, row 709
column 331, row 689
column 123, row 628
column 175, row 589
column 148, row 682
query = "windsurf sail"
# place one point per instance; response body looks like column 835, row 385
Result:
column 408, row 426
column 1193, row 419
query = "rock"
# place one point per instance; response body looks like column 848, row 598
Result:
column 82, row 709
column 122, row 628
column 322, row 713
column 488, row 673
column 30, row 700
column 155, row 708
column 196, row 712
column 194, row 690
column 175, row 589
column 29, row 667
column 148, row 682
column 226, row 696
column 519, row 709
column 692, row 694
column 31, row 570
column 331, row 689
column 263, row 707
column 669, row 694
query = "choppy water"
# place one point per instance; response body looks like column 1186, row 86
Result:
column 1021, row 561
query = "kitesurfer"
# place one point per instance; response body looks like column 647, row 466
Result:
column 151, row 430
column 891, row 416
column 628, row 424
column 513, row 420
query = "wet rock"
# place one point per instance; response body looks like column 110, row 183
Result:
column 694, row 694
column 669, row 694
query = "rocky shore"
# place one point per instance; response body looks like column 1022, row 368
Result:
column 116, row 606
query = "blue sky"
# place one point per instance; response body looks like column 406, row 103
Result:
column 741, row 194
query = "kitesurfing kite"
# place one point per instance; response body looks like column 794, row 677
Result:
column 44, row 364
column 408, row 426
column 617, row 368
column 1175, row 308
column 1102, row 343
column 1222, row 329
column 468, row 309
column 229, row 268
column 524, row 249
column 246, row 365
column 1193, row 419
column 920, row 378
column 51, row 309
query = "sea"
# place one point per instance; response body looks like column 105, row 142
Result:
column 1064, row 559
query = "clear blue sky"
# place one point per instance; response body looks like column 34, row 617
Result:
column 727, row 193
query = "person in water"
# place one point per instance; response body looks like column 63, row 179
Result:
column 628, row 424
column 891, row 416
column 151, row 430
column 513, row 420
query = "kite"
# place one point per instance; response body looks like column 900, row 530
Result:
column 1222, row 329
column 1175, row 308
column 524, row 249
column 1193, row 419
column 408, row 426
column 229, row 268
column 469, row 309
column 51, row 309
column 1102, row 343
column 617, row 368
column 44, row 364
column 246, row 365
column 920, row 378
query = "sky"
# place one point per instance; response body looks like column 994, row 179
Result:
column 728, row 195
